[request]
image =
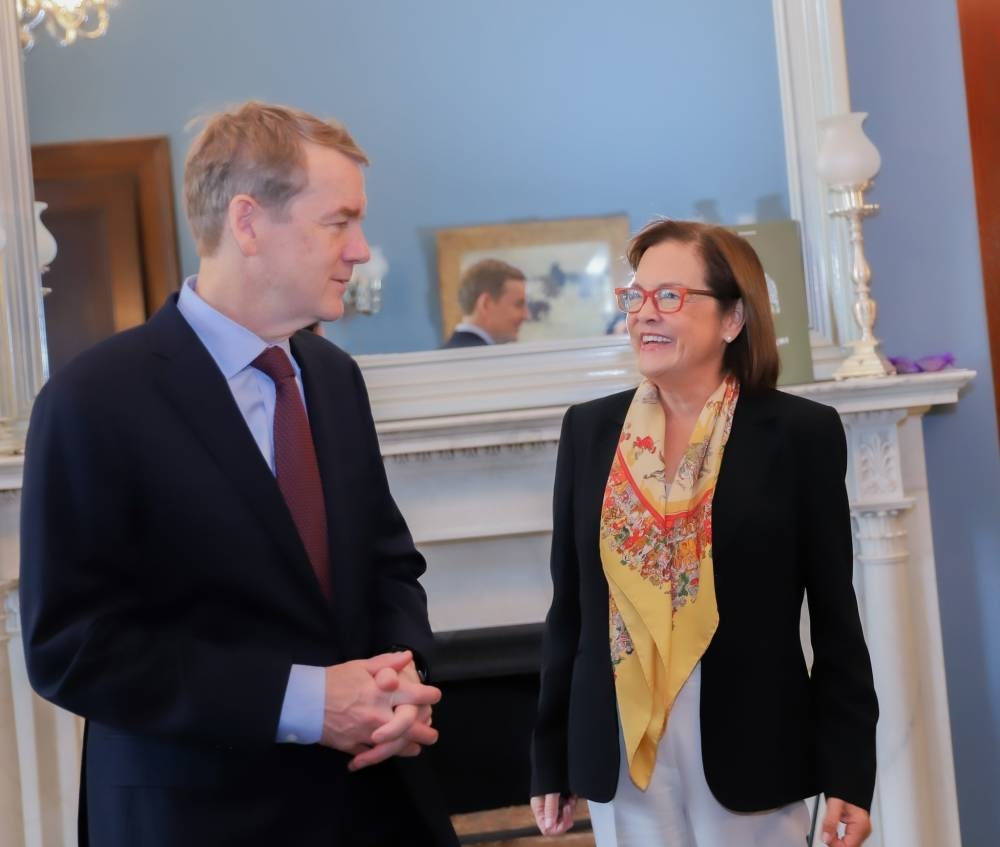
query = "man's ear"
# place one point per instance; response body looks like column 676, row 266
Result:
column 483, row 303
column 243, row 218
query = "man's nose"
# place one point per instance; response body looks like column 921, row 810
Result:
column 358, row 251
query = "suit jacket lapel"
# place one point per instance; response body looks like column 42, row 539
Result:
column 328, row 431
column 608, row 436
column 188, row 376
column 746, row 461
column 606, row 433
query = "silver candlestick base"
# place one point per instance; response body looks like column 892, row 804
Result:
column 865, row 359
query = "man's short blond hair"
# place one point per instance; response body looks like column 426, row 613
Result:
column 255, row 149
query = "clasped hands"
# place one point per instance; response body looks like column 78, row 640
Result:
column 378, row 708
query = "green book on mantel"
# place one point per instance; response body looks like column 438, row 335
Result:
column 780, row 250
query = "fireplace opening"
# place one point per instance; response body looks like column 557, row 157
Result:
column 489, row 682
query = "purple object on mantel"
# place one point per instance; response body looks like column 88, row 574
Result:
column 925, row 364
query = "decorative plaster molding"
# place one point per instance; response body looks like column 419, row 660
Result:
column 404, row 453
column 504, row 378
column 484, row 529
column 873, row 394
column 457, row 401
column 878, row 461
column 874, row 475
column 881, row 535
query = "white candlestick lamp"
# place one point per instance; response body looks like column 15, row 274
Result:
column 847, row 163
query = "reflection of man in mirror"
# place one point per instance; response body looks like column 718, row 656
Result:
column 247, row 637
column 493, row 298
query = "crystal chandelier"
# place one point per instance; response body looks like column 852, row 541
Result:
column 65, row 20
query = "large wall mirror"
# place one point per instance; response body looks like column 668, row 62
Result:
column 478, row 113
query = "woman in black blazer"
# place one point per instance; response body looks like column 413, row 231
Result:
column 690, row 517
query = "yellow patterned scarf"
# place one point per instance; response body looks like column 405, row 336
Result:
column 656, row 549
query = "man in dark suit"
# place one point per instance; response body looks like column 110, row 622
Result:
column 214, row 573
column 494, row 305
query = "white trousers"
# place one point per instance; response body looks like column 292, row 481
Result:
column 678, row 809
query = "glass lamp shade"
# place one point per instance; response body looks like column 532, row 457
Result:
column 364, row 291
column 376, row 267
column 44, row 241
column 847, row 156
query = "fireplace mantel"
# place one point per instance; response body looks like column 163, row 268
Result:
column 469, row 442
column 470, row 446
column 480, row 397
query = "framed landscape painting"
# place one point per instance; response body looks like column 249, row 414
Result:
column 571, row 268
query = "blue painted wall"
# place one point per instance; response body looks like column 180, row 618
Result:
column 472, row 112
column 906, row 70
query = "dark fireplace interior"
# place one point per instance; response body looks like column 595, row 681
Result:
column 489, row 679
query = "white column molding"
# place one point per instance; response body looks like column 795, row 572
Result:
column 812, row 73
column 913, row 738
column 22, row 342
column 24, row 720
column 10, row 787
column 10, row 782
column 68, row 737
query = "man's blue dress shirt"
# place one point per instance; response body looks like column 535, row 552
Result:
column 234, row 347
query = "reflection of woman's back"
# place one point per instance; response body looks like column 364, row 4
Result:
column 689, row 602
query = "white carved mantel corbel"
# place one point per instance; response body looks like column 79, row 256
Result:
column 878, row 509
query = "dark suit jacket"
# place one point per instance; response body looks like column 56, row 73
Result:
column 771, row 733
column 166, row 593
column 462, row 338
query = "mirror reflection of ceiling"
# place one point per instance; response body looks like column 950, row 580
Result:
column 472, row 112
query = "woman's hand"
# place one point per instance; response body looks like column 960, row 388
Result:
column 554, row 812
column 857, row 824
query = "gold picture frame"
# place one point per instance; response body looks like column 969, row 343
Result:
column 570, row 294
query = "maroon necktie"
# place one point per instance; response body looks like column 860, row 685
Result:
column 295, row 462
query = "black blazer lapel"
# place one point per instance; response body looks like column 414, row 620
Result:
column 188, row 377
column 746, row 460
column 596, row 439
